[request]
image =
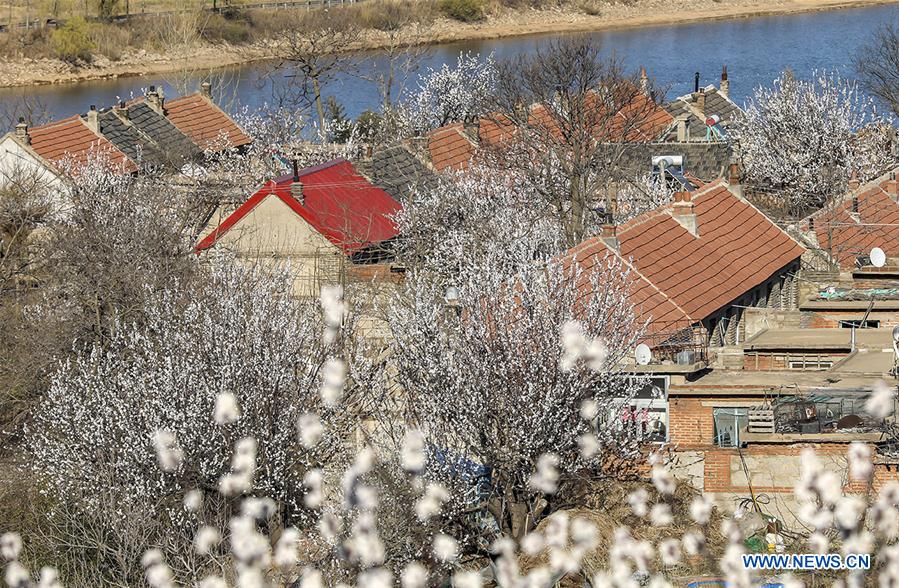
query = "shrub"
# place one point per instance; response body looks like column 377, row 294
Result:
column 464, row 10
column 230, row 30
column 110, row 39
column 72, row 42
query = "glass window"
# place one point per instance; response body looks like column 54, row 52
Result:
column 729, row 422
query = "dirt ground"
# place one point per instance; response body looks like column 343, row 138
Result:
column 641, row 13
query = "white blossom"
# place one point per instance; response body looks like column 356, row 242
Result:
column 414, row 575
column 168, row 452
column 413, row 455
column 206, row 539
column 445, row 547
column 286, row 550
column 10, row 545
column 546, row 478
column 310, row 429
column 882, row 401
column 226, row 409
column 701, row 509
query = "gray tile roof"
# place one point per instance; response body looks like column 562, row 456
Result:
column 703, row 160
column 715, row 103
column 397, row 171
column 175, row 144
column 130, row 141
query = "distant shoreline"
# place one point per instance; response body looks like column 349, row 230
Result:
column 28, row 72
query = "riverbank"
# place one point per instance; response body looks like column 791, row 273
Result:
column 503, row 22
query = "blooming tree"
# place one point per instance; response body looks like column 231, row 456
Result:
column 448, row 95
column 200, row 372
column 802, row 140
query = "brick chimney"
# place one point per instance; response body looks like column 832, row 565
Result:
column 644, row 81
column 22, row 131
column 296, row 186
column 683, row 212
column 892, row 188
column 853, row 183
column 683, row 128
column 609, row 233
column 93, row 119
column 154, row 99
column 733, row 179
column 206, row 90
column 699, row 102
column 725, row 84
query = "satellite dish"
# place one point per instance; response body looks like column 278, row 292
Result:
column 895, row 333
column 878, row 257
column 643, row 354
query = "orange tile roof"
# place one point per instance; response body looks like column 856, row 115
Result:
column 638, row 121
column 449, row 148
column 72, row 140
column 204, row 122
column 663, row 316
column 736, row 249
column 846, row 235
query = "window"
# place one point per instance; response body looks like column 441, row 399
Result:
column 859, row 324
column 645, row 416
column 729, row 422
column 810, row 364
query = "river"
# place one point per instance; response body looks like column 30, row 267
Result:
column 755, row 50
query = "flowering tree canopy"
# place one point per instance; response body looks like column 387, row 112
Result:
column 449, row 95
column 802, row 140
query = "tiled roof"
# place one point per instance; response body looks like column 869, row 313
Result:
column 449, row 148
column 846, row 235
column 178, row 147
column 337, row 202
column 736, row 249
column 71, row 139
column 130, row 141
column 715, row 103
column 703, row 160
column 396, row 171
column 204, row 122
column 664, row 317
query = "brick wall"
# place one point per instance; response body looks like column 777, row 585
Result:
column 690, row 424
column 763, row 361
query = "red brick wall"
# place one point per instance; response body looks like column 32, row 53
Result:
column 689, row 423
column 778, row 361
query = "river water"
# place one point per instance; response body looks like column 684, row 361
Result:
column 755, row 50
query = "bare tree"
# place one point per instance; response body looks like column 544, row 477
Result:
column 314, row 51
column 562, row 117
column 877, row 64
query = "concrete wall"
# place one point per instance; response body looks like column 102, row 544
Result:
column 16, row 160
column 273, row 234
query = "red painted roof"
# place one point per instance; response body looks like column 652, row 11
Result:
column 846, row 235
column 72, row 140
column 337, row 202
column 736, row 249
column 204, row 122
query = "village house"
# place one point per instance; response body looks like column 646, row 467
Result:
column 148, row 132
column 321, row 220
column 841, row 287
column 685, row 139
column 731, row 390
